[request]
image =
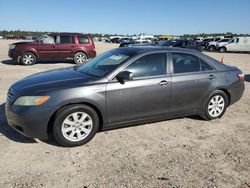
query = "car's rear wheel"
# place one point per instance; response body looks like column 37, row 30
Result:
column 75, row 125
column 80, row 58
column 27, row 58
column 215, row 106
column 223, row 49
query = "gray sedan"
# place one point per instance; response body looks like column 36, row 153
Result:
column 122, row 87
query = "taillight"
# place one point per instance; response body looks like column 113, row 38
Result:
column 241, row 76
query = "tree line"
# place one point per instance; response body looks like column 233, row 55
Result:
column 20, row 33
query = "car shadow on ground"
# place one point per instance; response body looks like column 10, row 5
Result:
column 247, row 77
column 8, row 132
column 11, row 62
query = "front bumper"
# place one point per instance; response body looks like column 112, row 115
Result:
column 29, row 121
column 12, row 54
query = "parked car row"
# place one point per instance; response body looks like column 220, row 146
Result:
column 15, row 37
column 181, row 43
column 235, row 44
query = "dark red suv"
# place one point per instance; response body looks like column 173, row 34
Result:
column 76, row 46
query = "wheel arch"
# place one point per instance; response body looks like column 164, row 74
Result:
column 228, row 95
column 220, row 89
column 52, row 118
column 83, row 51
column 224, row 47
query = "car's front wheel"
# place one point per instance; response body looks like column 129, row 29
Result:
column 75, row 125
column 80, row 58
column 215, row 106
column 212, row 48
column 27, row 58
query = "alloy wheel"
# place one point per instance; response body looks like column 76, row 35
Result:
column 216, row 106
column 28, row 59
column 80, row 58
column 77, row 126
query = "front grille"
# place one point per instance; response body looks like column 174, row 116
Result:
column 10, row 95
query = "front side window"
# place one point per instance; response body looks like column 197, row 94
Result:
column 185, row 63
column 148, row 65
column 66, row 39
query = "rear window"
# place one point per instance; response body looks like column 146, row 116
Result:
column 66, row 39
column 83, row 40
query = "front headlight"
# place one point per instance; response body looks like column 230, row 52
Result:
column 12, row 46
column 31, row 100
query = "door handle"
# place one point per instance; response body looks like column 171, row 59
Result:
column 211, row 77
column 163, row 83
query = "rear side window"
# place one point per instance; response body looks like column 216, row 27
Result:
column 66, row 39
column 190, row 43
column 178, row 44
column 83, row 40
column 149, row 65
column 185, row 63
column 205, row 66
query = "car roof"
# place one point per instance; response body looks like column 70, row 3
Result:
column 145, row 49
column 66, row 33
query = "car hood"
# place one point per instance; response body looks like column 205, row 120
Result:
column 50, row 80
column 213, row 43
column 25, row 42
column 221, row 43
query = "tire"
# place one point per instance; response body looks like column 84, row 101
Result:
column 223, row 49
column 215, row 106
column 27, row 58
column 80, row 58
column 212, row 48
column 75, row 125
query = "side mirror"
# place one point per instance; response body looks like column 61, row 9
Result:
column 124, row 75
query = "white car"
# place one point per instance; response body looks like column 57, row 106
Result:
column 1, row 37
column 223, row 42
column 237, row 44
column 212, row 45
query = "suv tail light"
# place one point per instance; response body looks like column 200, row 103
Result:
column 241, row 76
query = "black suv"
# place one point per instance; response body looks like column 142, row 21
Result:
column 183, row 43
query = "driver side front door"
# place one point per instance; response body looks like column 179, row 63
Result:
column 146, row 96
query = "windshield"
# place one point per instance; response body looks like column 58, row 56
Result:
column 224, row 40
column 46, row 39
column 167, row 43
column 104, row 63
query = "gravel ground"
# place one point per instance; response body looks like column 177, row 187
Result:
column 184, row 152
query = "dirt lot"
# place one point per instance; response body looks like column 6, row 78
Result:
column 185, row 152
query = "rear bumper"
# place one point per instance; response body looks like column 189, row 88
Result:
column 29, row 121
column 236, row 91
column 91, row 54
